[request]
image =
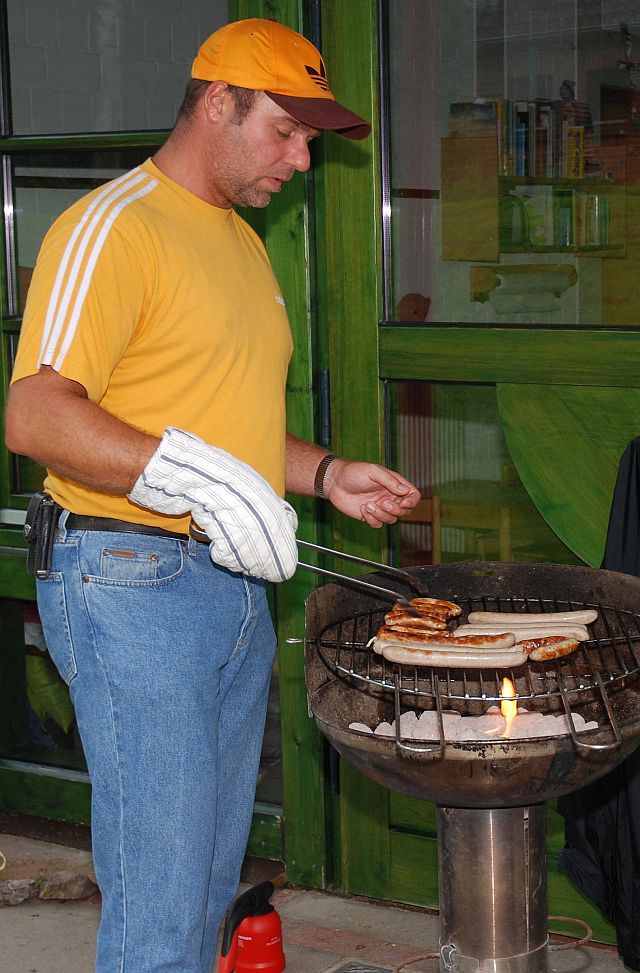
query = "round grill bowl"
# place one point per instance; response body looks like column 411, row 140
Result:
column 494, row 774
column 489, row 775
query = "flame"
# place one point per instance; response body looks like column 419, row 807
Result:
column 509, row 705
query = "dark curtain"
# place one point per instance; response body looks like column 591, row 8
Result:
column 602, row 821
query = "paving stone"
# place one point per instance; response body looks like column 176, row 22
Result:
column 359, row 968
column 381, row 921
column 48, row 937
column 301, row 959
column 58, row 937
column 323, row 933
column 390, row 955
column 339, row 941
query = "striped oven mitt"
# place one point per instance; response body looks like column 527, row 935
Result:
column 251, row 529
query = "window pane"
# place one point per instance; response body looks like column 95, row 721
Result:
column 46, row 184
column 514, row 162
column 448, row 439
column 103, row 65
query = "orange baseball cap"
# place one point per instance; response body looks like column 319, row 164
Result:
column 270, row 57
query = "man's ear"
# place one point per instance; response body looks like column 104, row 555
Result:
column 214, row 100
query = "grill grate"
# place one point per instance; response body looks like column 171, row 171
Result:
column 602, row 664
column 612, row 654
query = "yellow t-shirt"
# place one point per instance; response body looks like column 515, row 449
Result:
column 167, row 311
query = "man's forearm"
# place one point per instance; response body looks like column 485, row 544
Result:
column 51, row 420
column 303, row 459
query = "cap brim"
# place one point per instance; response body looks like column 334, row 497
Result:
column 323, row 113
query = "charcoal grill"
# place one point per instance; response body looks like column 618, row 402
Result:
column 490, row 795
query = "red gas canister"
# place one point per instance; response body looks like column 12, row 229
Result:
column 252, row 934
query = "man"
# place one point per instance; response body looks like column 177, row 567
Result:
column 150, row 381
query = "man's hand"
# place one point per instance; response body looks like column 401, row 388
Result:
column 369, row 492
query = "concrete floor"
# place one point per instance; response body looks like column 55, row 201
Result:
column 323, row 933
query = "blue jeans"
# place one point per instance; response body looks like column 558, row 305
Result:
column 168, row 658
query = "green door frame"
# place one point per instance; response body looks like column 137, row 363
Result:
column 349, row 241
column 326, row 840
column 362, row 352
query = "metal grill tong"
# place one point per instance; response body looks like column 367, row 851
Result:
column 404, row 576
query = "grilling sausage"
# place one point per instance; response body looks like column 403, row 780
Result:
column 439, row 654
column 579, row 617
column 415, row 636
column 551, row 647
column 423, row 622
column 578, row 632
column 428, row 604
column 443, row 639
column 499, row 640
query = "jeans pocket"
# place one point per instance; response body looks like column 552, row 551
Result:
column 121, row 564
column 52, row 606
column 137, row 561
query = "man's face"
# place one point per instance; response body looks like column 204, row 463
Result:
column 252, row 159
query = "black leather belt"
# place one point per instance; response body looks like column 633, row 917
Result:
column 82, row 522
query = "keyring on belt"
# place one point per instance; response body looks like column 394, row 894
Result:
column 198, row 533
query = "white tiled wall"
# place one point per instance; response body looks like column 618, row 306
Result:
column 103, row 65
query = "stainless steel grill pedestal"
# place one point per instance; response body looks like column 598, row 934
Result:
column 490, row 795
column 491, row 866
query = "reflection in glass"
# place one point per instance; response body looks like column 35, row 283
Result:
column 49, row 734
column 25, row 476
column 103, row 65
column 514, row 130
column 448, row 440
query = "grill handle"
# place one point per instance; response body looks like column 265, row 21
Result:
column 398, row 573
column 346, row 579
column 406, row 749
column 613, row 723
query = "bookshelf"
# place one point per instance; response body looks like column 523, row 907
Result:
column 517, row 178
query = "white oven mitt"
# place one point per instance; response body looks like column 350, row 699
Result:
column 251, row 529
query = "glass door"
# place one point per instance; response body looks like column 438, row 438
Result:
column 505, row 323
column 511, row 175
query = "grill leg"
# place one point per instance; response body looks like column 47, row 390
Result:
column 493, row 890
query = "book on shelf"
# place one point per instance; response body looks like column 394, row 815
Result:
column 520, row 125
column 563, row 221
column 575, row 152
column 478, row 119
column 539, row 138
column 546, row 132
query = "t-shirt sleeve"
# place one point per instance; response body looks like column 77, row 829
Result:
column 86, row 299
